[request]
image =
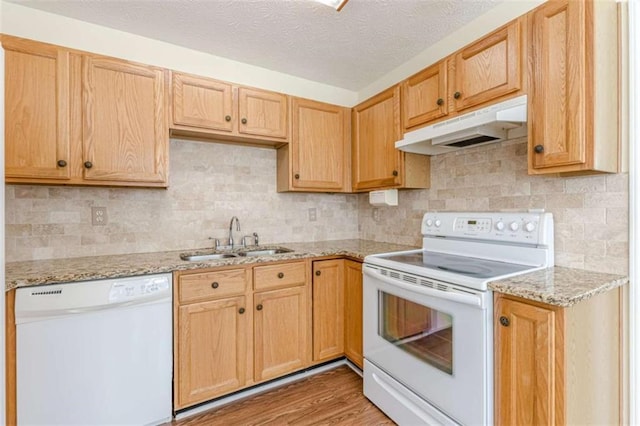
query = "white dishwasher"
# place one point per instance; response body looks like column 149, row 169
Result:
column 95, row 352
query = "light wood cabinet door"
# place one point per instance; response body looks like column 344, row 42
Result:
column 320, row 146
column 37, row 111
column 263, row 113
column 353, row 312
column 529, row 347
column 424, row 96
column 202, row 102
column 212, row 349
column 376, row 128
column 328, row 309
column 489, row 68
column 125, row 124
column 281, row 332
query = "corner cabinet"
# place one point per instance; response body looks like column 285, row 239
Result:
column 205, row 108
column 573, row 87
column 556, row 365
column 377, row 164
column 82, row 119
column 318, row 157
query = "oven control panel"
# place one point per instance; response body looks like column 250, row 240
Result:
column 518, row 227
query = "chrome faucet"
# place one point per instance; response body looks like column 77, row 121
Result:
column 231, row 229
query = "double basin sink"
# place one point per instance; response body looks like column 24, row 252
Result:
column 199, row 257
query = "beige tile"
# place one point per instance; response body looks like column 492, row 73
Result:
column 585, row 184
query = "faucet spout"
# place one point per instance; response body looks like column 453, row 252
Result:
column 231, row 229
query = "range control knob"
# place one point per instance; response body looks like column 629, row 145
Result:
column 438, row 223
column 514, row 226
column 529, row 227
column 500, row 225
column 429, row 222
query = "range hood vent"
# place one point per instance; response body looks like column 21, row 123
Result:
column 498, row 122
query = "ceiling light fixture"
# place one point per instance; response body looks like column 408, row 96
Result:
column 336, row 4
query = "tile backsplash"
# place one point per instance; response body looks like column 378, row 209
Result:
column 590, row 212
column 211, row 182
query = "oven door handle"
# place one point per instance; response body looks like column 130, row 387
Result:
column 454, row 297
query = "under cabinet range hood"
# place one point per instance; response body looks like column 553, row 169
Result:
column 498, row 122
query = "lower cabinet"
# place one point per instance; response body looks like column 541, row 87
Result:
column 328, row 309
column 556, row 365
column 353, row 312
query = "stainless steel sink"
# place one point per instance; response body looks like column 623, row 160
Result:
column 204, row 257
column 264, row 252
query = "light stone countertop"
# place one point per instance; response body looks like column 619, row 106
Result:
column 556, row 286
column 559, row 286
column 55, row 271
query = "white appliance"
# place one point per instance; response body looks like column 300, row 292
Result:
column 428, row 341
column 498, row 122
column 95, row 353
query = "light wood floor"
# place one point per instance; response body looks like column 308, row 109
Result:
column 331, row 398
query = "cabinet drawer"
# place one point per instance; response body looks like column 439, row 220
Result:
column 212, row 285
column 283, row 275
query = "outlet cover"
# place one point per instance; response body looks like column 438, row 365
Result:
column 375, row 214
column 313, row 214
column 98, row 216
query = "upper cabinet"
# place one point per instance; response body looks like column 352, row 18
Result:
column 82, row 119
column 318, row 156
column 573, row 87
column 208, row 108
column 376, row 163
column 482, row 72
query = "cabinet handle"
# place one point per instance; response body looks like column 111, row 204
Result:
column 280, row 274
column 395, row 173
column 440, row 101
column 241, row 311
column 539, row 149
column 259, row 307
column 227, row 118
column 504, row 321
column 297, row 176
column 457, row 95
column 244, row 121
column 88, row 164
column 318, row 273
column 62, row 163
column 214, row 284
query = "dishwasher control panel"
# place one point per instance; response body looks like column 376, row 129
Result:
column 124, row 290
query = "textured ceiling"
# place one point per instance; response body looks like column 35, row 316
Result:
column 349, row 49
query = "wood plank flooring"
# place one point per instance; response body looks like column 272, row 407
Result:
column 331, row 398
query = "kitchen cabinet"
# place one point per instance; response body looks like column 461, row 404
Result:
column 82, row 119
column 377, row 164
column 318, row 157
column 205, row 108
column 328, row 309
column 556, row 365
column 213, row 334
column 573, row 99
column 424, row 96
column 353, row 312
column 282, row 319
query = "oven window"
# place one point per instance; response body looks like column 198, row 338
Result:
column 419, row 330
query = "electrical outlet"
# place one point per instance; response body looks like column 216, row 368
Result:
column 313, row 214
column 376, row 214
column 98, row 216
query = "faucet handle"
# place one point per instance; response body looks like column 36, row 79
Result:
column 255, row 238
column 216, row 242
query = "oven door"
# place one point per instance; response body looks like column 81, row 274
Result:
column 433, row 338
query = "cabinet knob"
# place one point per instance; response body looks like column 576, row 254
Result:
column 395, row 173
column 318, row 273
column 280, row 274
column 440, row 101
column 504, row 321
column 88, row 164
column 297, row 176
column 457, row 95
column 62, row 163
column 539, row 149
column 241, row 311
column 244, row 121
column 227, row 118
column 215, row 284
column 259, row 307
